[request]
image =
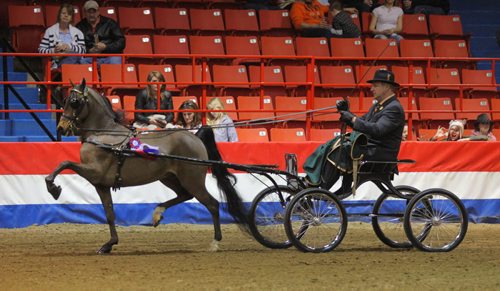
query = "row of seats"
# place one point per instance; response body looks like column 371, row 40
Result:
column 289, row 80
column 242, row 108
column 291, row 47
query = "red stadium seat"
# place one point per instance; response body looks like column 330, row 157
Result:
column 136, row 20
column 297, row 104
column 402, row 77
column 436, row 104
column 327, row 114
column 76, row 72
column 275, row 22
column 381, row 48
column 115, row 101
column 425, row 134
column 243, row 45
column 109, row 12
column 338, row 75
column 442, row 79
column 206, row 21
column 495, row 116
column 446, row 26
column 171, row 20
column 187, row 74
column 287, row 134
column 254, row 103
column 271, row 74
column 415, row 26
column 51, row 14
column 414, row 106
column 412, row 48
column 298, row 74
column 113, row 74
column 360, row 105
column 451, row 48
column 206, row 45
column 138, row 44
column 252, row 134
column 312, row 46
column 27, row 26
column 366, row 18
column 166, row 70
column 229, row 104
column 172, row 44
column 323, row 135
column 129, row 104
column 479, row 77
column 347, row 47
column 231, row 76
column 474, row 107
column 241, row 21
column 278, row 46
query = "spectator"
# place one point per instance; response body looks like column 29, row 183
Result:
column 63, row 37
column 427, row 7
column 263, row 4
column 482, row 129
column 342, row 24
column 308, row 18
column 358, row 6
column 387, row 21
column 189, row 120
column 102, row 35
column 148, row 99
column 222, row 124
column 455, row 132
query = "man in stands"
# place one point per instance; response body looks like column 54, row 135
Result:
column 102, row 35
column 427, row 7
column 342, row 24
column 308, row 17
column 383, row 124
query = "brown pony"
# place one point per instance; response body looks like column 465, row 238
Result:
column 103, row 164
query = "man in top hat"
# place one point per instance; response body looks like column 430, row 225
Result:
column 102, row 35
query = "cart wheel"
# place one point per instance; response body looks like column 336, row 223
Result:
column 388, row 217
column 315, row 221
column 435, row 220
column 267, row 215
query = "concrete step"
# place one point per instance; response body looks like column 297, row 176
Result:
column 27, row 115
column 29, row 127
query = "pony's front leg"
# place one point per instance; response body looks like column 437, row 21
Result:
column 107, row 203
column 53, row 189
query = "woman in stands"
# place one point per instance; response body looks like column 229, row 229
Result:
column 455, row 132
column 222, row 124
column 63, row 37
column 148, row 99
column 387, row 21
column 482, row 129
column 189, row 120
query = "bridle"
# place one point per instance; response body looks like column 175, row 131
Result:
column 77, row 100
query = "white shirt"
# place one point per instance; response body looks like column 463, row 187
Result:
column 387, row 18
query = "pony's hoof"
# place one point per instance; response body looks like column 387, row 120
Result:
column 158, row 215
column 54, row 190
column 105, row 249
column 156, row 221
column 214, row 246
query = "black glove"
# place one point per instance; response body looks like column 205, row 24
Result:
column 346, row 116
column 342, row 105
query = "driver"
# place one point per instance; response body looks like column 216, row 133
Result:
column 383, row 124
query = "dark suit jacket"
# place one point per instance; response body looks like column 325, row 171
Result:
column 384, row 127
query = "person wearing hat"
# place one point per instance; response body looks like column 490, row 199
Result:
column 102, row 35
column 482, row 129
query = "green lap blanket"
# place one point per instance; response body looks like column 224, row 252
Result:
column 339, row 155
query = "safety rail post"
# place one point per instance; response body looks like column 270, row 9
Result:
column 5, row 87
column 410, row 101
column 310, row 94
column 261, row 88
column 203, row 101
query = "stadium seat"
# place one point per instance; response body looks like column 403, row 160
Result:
column 312, row 46
column 474, row 107
column 252, row 134
column 402, row 77
column 414, row 106
column 414, row 48
column 298, row 74
column 208, row 46
column 381, row 48
column 230, row 75
column 279, row 46
column 241, row 21
column 138, row 44
column 296, row 104
column 198, row 4
column 441, row 79
column 360, row 105
column 174, row 45
column 229, row 104
column 129, row 104
column 415, row 26
column 27, row 25
column 479, row 77
column 186, row 74
column 366, row 18
column 338, row 75
column 452, row 49
column 323, row 134
column 243, row 45
column 206, row 21
column 143, row 71
column 178, row 100
column 171, row 20
column 327, row 115
column 254, row 103
column 425, row 134
column 347, row 47
column 271, row 74
column 287, row 134
column 495, row 116
column 76, row 73
column 51, row 12
column 109, row 11
column 136, row 20
column 446, row 26
column 275, row 22
column 115, row 101
column 154, row 3
column 436, row 104
column 113, row 74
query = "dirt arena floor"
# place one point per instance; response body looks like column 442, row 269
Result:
column 175, row 257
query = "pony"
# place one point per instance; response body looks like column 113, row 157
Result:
column 105, row 165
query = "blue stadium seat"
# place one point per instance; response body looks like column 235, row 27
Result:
column 29, row 127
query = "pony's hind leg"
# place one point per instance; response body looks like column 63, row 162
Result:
column 182, row 195
column 107, row 203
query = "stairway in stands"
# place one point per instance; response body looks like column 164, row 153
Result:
column 481, row 19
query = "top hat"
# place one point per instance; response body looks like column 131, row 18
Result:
column 384, row 76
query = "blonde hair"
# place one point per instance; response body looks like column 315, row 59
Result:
column 214, row 118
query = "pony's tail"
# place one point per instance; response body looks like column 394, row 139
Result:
column 225, row 180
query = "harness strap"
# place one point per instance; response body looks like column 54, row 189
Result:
column 118, row 176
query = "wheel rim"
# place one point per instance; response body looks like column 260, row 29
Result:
column 269, row 216
column 316, row 222
column 437, row 222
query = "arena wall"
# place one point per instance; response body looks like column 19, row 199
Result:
column 469, row 169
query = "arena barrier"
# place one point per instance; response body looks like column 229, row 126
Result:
column 469, row 169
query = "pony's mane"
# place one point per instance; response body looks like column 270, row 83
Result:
column 117, row 116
